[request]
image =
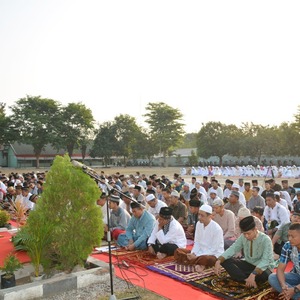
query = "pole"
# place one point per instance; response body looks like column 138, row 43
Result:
column 112, row 296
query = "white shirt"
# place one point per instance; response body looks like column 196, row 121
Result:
column 175, row 235
column 27, row 203
column 278, row 213
column 155, row 210
column 242, row 198
column 208, row 239
column 219, row 192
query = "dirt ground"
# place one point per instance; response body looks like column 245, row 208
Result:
column 168, row 172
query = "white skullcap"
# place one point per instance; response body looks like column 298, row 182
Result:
column 207, row 208
column 150, row 197
column 235, row 185
column 175, row 194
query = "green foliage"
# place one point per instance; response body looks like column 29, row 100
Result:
column 4, row 217
column 126, row 132
column 165, row 126
column 189, row 140
column 36, row 238
column 105, row 142
column 74, row 125
column 6, row 135
column 217, row 139
column 68, row 203
column 193, row 159
column 34, row 119
column 10, row 265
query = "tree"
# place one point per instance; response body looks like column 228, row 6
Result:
column 217, row 139
column 189, row 140
column 145, row 146
column 5, row 133
column 165, row 126
column 74, row 127
column 105, row 142
column 193, row 159
column 257, row 140
column 126, row 133
column 68, row 204
column 34, row 118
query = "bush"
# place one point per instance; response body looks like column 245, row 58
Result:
column 68, row 206
column 4, row 217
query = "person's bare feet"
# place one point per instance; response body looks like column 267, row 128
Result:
column 199, row 268
column 161, row 255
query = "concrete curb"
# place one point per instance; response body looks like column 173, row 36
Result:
column 58, row 284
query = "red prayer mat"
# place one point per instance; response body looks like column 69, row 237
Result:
column 7, row 247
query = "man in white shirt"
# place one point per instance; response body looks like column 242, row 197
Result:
column 217, row 188
column 275, row 214
column 242, row 199
column 26, row 195
column 154, row 205
column 206, row 249
column 167, row 235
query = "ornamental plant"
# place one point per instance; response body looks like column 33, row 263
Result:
column 68, row 206
column 4, row 217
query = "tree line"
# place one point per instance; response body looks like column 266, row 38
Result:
column 40, row 121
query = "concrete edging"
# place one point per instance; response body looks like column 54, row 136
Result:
column 58, row 284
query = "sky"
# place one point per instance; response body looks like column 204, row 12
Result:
column 227, row 61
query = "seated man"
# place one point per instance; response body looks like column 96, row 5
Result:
column 226, row 219
column 206, row 249
column 258, row 253
column 179, row 209
column 119, row 217
column 167, row 235
column 288, row 283
column 192, row 219
column 281, row 235
column 138, row 230
column 154, row 205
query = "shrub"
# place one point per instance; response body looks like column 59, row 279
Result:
column 4, row 217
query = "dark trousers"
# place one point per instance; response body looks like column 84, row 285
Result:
column 167, row 248
column 239, row 270
column 278, row 247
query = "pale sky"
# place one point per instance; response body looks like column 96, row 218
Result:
column 227, row 61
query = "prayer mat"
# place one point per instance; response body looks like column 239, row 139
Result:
column 268, row 294
column 143, row 258
column 226, row 288
column 179, row 272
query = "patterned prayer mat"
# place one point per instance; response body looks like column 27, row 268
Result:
column 265, row 295
column 226, row 288
column 143, row 258
column 180, row 272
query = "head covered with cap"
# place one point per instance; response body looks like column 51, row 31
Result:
column 206, row 208
column 166, row 212
column 247, row 224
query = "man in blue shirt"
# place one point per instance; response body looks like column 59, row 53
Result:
column 138, row 230
column 288, row 284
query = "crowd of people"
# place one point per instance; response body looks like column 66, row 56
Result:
column 240, row 226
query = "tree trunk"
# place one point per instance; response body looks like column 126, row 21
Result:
column 37, row 156
column 165, row 165
column 70, row 149
column 220, row 161
column 83, row 151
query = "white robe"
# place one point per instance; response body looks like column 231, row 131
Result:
column 208, row 239
column 175, row 235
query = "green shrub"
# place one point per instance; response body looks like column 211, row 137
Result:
column 68, row 206
column 4, row 217
column 10, row 265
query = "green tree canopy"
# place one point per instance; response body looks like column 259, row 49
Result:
column 105, row 142
column 74, row 126
column 126, row 133
column 165, row 126
column 34, row 119
column 217, row 139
